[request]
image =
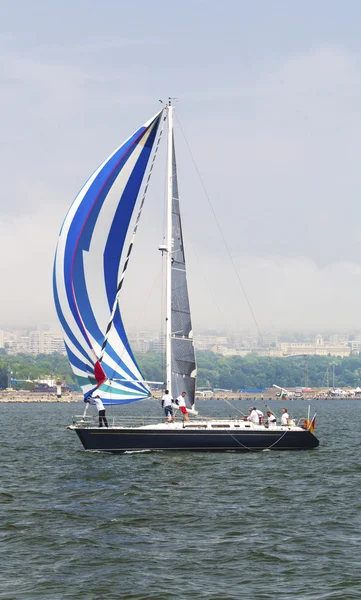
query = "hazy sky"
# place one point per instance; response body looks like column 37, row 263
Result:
column 270, row 103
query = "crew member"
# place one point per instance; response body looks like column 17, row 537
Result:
column 253, row 415
column 167, row 404
column 271, row 419
column 182, row 405
column 101, row 410
column 285, row 416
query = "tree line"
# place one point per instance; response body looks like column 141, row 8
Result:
column 253, row 371
column 214, row 370
column 31, row 367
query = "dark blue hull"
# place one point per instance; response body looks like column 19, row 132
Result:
column 122, row 440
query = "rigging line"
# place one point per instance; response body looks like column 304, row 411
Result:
column 142, row 311
column 210, row 290
column 250, row 449
column 120, row 284
column 236, row 409
column 147, row 298
column 220, row 230
column 235, row 439
column 153, row 406
column 270, row 410
column 278, row 440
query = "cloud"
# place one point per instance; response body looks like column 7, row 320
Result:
column 282, row 158
column 284, row 293
column 278, row 151
column 26, row 270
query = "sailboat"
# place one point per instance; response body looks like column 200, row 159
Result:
column 91, row 261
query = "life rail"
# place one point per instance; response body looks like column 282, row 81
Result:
column 124, row 421
column 140, row 420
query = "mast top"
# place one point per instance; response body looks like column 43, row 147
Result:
column 169, row 103
column 170, row 99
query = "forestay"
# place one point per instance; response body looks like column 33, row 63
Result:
column 86, row 272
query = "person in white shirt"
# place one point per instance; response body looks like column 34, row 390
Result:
column 167, row 404
column 285, row 416
column 271, row 419
column 253, row 416
column 260, row 416
column 101, row 410
column 182, row 405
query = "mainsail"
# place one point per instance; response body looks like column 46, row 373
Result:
column 183, row 362
column 86, row 272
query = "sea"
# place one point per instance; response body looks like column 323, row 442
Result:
column 179, row 526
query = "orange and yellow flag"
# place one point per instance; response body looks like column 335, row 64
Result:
column 312, row 425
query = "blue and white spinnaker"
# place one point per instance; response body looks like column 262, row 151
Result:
column 86, row 273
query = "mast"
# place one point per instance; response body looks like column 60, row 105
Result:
column 180, row 361
column 168, row 239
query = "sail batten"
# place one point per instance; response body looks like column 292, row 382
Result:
column 86, row 270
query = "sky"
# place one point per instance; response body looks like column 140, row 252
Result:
column 269, row 97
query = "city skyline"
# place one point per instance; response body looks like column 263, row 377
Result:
column 241, row 343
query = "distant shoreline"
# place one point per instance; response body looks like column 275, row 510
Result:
column 27, row 397
column 24, row 397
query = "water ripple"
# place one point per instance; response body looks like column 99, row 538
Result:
column 164, row 526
